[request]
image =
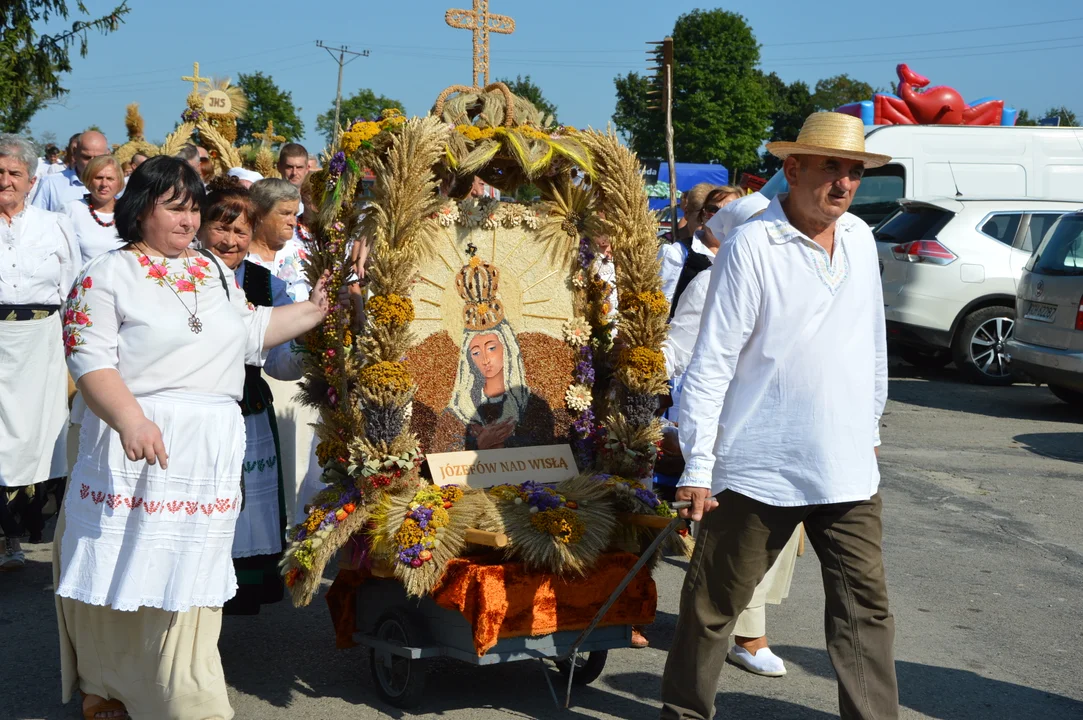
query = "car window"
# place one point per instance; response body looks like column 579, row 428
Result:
column 913, row 222
column 1061, row 251
column 1040, row 223
column 1002, row 227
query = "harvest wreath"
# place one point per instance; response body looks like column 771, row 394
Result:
column 590, row 188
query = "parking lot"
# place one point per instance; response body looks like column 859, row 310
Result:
column 983, row 490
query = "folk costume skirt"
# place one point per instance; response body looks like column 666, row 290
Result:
column 138, row 535
column 162, row 665
column 33, row 401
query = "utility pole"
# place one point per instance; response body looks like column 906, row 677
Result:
column 662, row 82
column 342, row 51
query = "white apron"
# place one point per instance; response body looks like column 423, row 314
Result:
column 259, row 529
column 140, row 536
column 33, row 400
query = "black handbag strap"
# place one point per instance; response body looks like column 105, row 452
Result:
column 221, row 275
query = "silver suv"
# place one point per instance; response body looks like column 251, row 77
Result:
column 950, row 269
column 1048, row 340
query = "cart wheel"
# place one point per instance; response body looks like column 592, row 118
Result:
column 588, row 666
column 399, row 681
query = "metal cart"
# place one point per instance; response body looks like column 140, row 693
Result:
column 403, row 634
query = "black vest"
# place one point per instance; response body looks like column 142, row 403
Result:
column 257, row 290
column 694, row 264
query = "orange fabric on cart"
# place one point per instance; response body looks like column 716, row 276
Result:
column 509, row 600
column 504, row 600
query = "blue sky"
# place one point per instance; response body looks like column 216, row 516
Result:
column 1030, row 54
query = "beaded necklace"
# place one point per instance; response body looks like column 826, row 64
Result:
column 94, row 215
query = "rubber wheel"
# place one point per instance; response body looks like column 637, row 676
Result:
column 1068, row 395
column 925, row 359
column 399, row 681
column 588, row 667
column 979, row 345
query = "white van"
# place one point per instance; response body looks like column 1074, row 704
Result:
column 964, row 160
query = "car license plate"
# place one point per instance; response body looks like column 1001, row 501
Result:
column 1042, row 312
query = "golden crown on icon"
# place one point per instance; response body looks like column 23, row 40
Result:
column 477, row 283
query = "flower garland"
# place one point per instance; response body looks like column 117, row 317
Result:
column 487, row 213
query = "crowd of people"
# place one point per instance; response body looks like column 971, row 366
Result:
column 143, row 304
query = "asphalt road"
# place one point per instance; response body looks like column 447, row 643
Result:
column 983, row 490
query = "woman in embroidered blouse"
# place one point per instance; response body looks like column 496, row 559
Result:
column 226, row 231
column 38, row 263
column 92, row 214
column 273, row 244
column 157, row 337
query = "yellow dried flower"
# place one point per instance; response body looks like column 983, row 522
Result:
column 440, row 518
column 562, row 523
column 654, row 302
column 386, row 375
column 359, row 133
column 390, row 310
column 642, row 362
column 312, row 523
column 451, row 493
column 409, row 534
column 532, row 132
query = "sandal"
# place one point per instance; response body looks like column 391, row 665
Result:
column 98, row 710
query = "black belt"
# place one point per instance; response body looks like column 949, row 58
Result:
column 27, row 312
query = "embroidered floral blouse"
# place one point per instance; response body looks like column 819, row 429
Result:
column 123, row 314
column 287, row 267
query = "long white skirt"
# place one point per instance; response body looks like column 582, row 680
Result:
column 140, row 536
column 33, row 400
column 259, row 526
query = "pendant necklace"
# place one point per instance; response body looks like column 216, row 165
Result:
column 194, row 323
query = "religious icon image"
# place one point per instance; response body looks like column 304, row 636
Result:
column 490, row 358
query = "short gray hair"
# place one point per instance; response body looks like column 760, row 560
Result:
column 268, row 192
column 22, row 150
column 188, row 153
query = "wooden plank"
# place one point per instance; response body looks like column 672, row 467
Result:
column 489, row 539
column 652, row 521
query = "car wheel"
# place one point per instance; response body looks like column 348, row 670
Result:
column 979, row 345
column 1068, row 395
column 925, row 359
column 399, row 681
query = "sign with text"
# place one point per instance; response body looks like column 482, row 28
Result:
column 217, row 102
column 485, row 468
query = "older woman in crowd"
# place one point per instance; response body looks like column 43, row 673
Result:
column 273, row 243
column 157, row 337
column 92, row 214
column 226, row 230
column 39, row 260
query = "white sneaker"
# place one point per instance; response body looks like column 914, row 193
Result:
column 12, row 559
column 764, row 662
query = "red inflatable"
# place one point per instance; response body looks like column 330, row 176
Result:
column 939, row 105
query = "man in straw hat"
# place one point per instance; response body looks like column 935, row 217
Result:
column 780, row 421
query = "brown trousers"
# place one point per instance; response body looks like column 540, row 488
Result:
column 736, row 545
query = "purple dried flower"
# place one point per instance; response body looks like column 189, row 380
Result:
column 647, row 497
column 338, row 163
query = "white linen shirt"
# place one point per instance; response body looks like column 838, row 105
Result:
column 783, row 396
column 39, row 258
column 58, row 190
column 673, row 256
column 93, row 239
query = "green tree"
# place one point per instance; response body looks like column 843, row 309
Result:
column 362, row 104
column 30, row 66
column 1024, row 118
column 721, row 110
column 791, row 105
column 266, row 101
column 525, row 88
column 1067, row 117
column 834, row 92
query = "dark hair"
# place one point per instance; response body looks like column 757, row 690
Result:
column 290, row 150
column 226, row 202
column 164, row 178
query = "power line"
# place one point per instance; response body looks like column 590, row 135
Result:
column 909, row 52
column 923, row 33
column 343, row 51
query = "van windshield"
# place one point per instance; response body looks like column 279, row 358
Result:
column 880, row 190
column 1061, row 252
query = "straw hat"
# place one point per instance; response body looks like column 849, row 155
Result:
column 832, row 134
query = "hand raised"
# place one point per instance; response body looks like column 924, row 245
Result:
column 318, row 296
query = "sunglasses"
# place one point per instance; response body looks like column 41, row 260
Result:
column 710, row 209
